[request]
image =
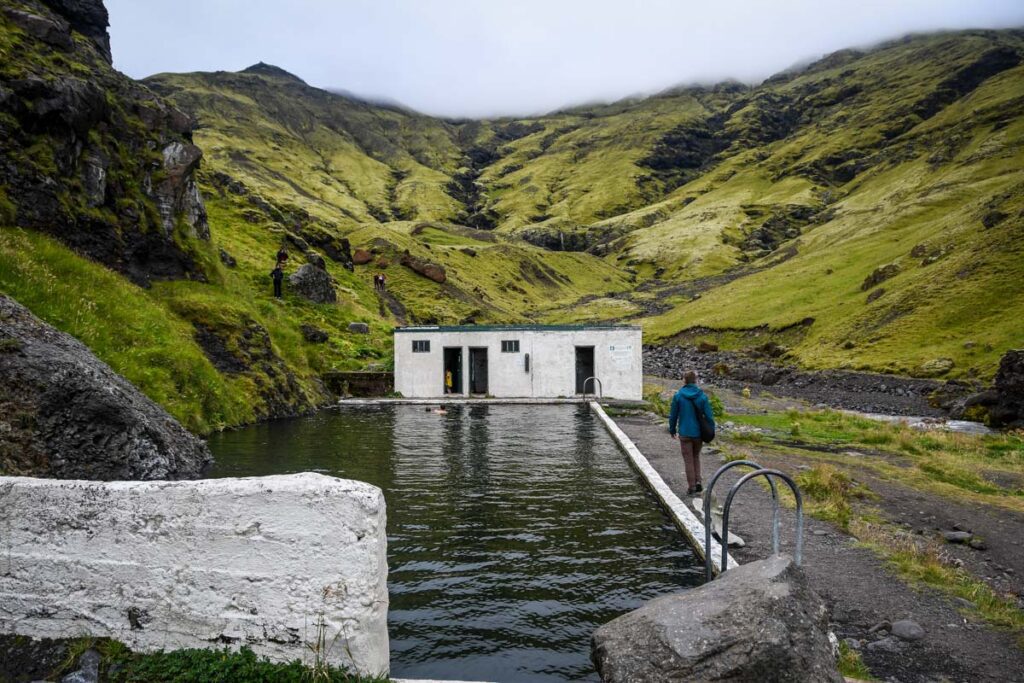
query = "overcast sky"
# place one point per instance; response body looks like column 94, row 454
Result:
column 486, row 57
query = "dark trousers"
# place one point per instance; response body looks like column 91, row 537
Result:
column 690, row 448
column 277, row 288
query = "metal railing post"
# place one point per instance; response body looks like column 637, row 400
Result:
column 599, row 386
column 725, row 539
column 799, row 508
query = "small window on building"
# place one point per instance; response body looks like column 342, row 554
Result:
column 510, row 346
column 421, row 346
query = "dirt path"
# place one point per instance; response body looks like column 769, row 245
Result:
column 859, row 588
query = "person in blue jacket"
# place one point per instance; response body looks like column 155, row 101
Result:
column 682, row 420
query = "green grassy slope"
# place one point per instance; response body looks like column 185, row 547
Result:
column 735, row 213
column 939, row 193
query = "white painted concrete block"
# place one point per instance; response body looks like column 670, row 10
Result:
column 175, row 564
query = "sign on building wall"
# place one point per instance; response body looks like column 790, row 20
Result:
column 622, row 354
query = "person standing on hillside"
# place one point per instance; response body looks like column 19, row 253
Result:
column 684, row 421
column 282, row 256
column 278, row 274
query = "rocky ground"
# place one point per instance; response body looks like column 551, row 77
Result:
column 861, row 391
column 867, row 599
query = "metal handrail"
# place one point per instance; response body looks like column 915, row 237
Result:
column 725, row 539
column 599, row 386
column 799, row 509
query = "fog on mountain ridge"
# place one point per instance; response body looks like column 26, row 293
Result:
column 467, row 59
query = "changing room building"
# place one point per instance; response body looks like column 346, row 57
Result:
column 519, row 361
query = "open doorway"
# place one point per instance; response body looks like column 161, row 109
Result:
column 478, row 371
column 584, row 368
column 453, row 365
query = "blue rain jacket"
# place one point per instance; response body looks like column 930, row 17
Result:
column 682, row 419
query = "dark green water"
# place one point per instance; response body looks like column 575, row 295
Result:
column 513, row 530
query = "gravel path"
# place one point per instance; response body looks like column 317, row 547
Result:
column 860, row 590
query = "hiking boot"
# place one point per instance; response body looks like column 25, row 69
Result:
column 698, row 487
column 692, row 490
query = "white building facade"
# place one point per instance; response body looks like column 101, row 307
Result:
column 519, row 361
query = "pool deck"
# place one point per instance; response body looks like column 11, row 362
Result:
column 680, row 512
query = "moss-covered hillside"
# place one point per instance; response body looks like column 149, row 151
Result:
column 730, row 213
column 866, row 211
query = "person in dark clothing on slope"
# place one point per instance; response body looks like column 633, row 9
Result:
column 282, row 256
column 278, row 274
column 682, row 420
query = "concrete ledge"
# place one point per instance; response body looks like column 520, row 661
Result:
column 167, row 565
column 679, row 511
column 458, row 400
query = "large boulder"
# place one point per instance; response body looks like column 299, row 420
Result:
column 759, row 622
column 1003, row 404
column 314, row 284
column 431, row 271
column 1008, row 410
column 65, row 413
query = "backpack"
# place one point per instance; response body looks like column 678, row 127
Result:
column 707, row 428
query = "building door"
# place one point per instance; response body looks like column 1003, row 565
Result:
column 585, row 369
column 453, row 365
column 478, row 371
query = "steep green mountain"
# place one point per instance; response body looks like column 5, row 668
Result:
column 866, row 211
column 738, row 213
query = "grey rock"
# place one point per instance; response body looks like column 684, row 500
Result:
column 177, row 194
column 314, row 284
column 880, row 626
column 56, row 31
column 88, row 669
column 313, row 334
column 887, row 644
column 957, row 536
column 88, row 17
column 905, row 629
column 977, row 544
column 227, row 259
column 964, row 603
column 316, row 259
column 853, row 643
column 760, row 621
column 359, row 328
column 67, row 414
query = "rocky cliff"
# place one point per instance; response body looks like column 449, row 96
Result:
column 89, row 155
column 64, row 413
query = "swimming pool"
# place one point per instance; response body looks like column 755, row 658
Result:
column 513, row 530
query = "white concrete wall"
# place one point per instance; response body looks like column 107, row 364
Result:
column 618, row 361
column 169, row 565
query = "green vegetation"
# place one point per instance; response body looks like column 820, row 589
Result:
column 850, row 664
column 120, row 665
column 843, row 450
column 957, row 465
column 924, row 563
column 150, row 335
column 738, row 215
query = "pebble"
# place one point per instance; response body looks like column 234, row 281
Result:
column 88, row 669
column 963, row 602
column 905, row 629
column 880, row 626
column 957, row 536
column 977, row 544
column 887, row 644
column 819, row 532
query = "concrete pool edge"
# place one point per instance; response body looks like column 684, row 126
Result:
column 679, row 511
column 459, row 400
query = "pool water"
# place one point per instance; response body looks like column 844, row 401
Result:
column 514, row 531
